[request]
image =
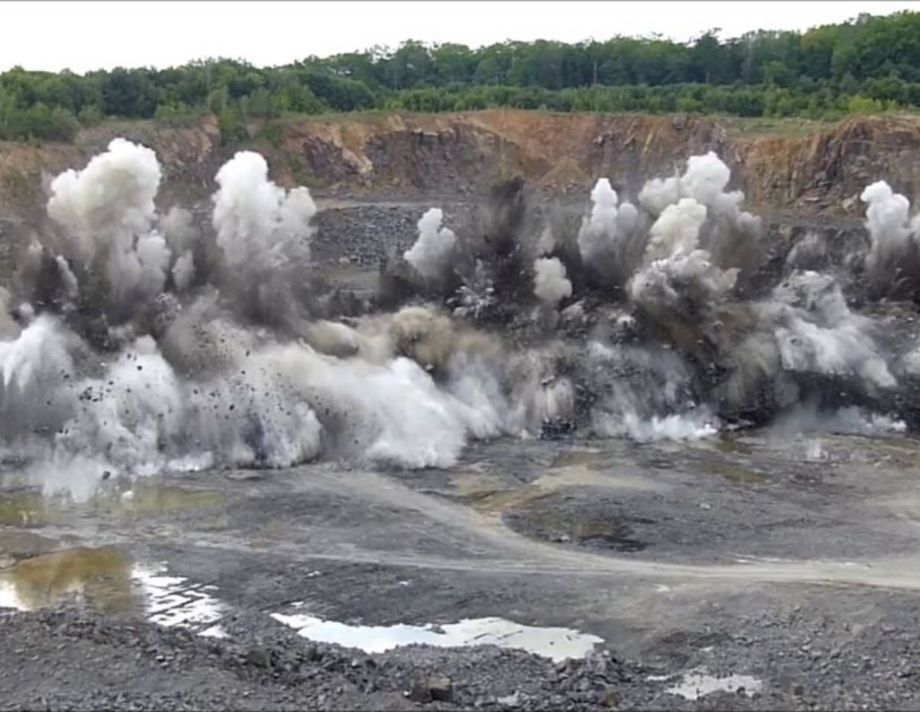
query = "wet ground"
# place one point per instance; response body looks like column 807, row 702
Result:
column 782, row 571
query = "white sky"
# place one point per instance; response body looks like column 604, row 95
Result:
column 91, row 35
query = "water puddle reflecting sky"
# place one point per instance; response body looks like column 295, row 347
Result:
column 555, row 643
column 104, row 579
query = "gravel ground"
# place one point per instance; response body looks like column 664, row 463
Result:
column 833, row 625
column 74, row 659
column 363, row 234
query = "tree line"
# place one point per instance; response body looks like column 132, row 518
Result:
column 869, row 64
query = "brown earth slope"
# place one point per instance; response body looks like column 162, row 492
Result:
column 793, row 167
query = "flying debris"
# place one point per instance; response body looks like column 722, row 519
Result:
column 135, row 341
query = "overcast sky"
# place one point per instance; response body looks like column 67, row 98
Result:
column 91, row 35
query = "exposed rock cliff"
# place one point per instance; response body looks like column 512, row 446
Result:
column 818, row 170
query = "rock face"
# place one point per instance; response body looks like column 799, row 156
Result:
column 817, row 170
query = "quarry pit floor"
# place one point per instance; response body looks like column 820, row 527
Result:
column 788, row 563
column 754, row 570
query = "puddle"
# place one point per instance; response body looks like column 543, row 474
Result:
column 95, row 577
column 104, row 579
column 145, row 498
column 174, row 601
column 26, row 509
column 696, row 685
column 555, row 643
column 142, row 498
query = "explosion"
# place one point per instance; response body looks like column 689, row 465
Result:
column 136, row 342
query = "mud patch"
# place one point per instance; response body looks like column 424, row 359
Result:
column 551, row 520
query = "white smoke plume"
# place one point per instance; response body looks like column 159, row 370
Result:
column 183, row 271
column 677, row 230
column 887, row 219
column 179, row 229
column 183, row 238
column 107, row 210
column 893, row 260
column 432, row 252
column 551, row 285
column 659, row 193
column 111, row 199
column 204, row 391
column 685, row 280
column 731, row 237
column 704, row 180
column 686, row 212
column 263, row 241
column 675, row 271
column 258, row 224
column 188, row 376
column 605, row 237
column 818, row 333
column 35, row 366
column 272, row 404
column 805, row 328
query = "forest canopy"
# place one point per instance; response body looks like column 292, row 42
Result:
column 869, row 64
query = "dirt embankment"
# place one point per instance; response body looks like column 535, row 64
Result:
column 805, row 171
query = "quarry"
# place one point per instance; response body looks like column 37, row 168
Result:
column 501, row 410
